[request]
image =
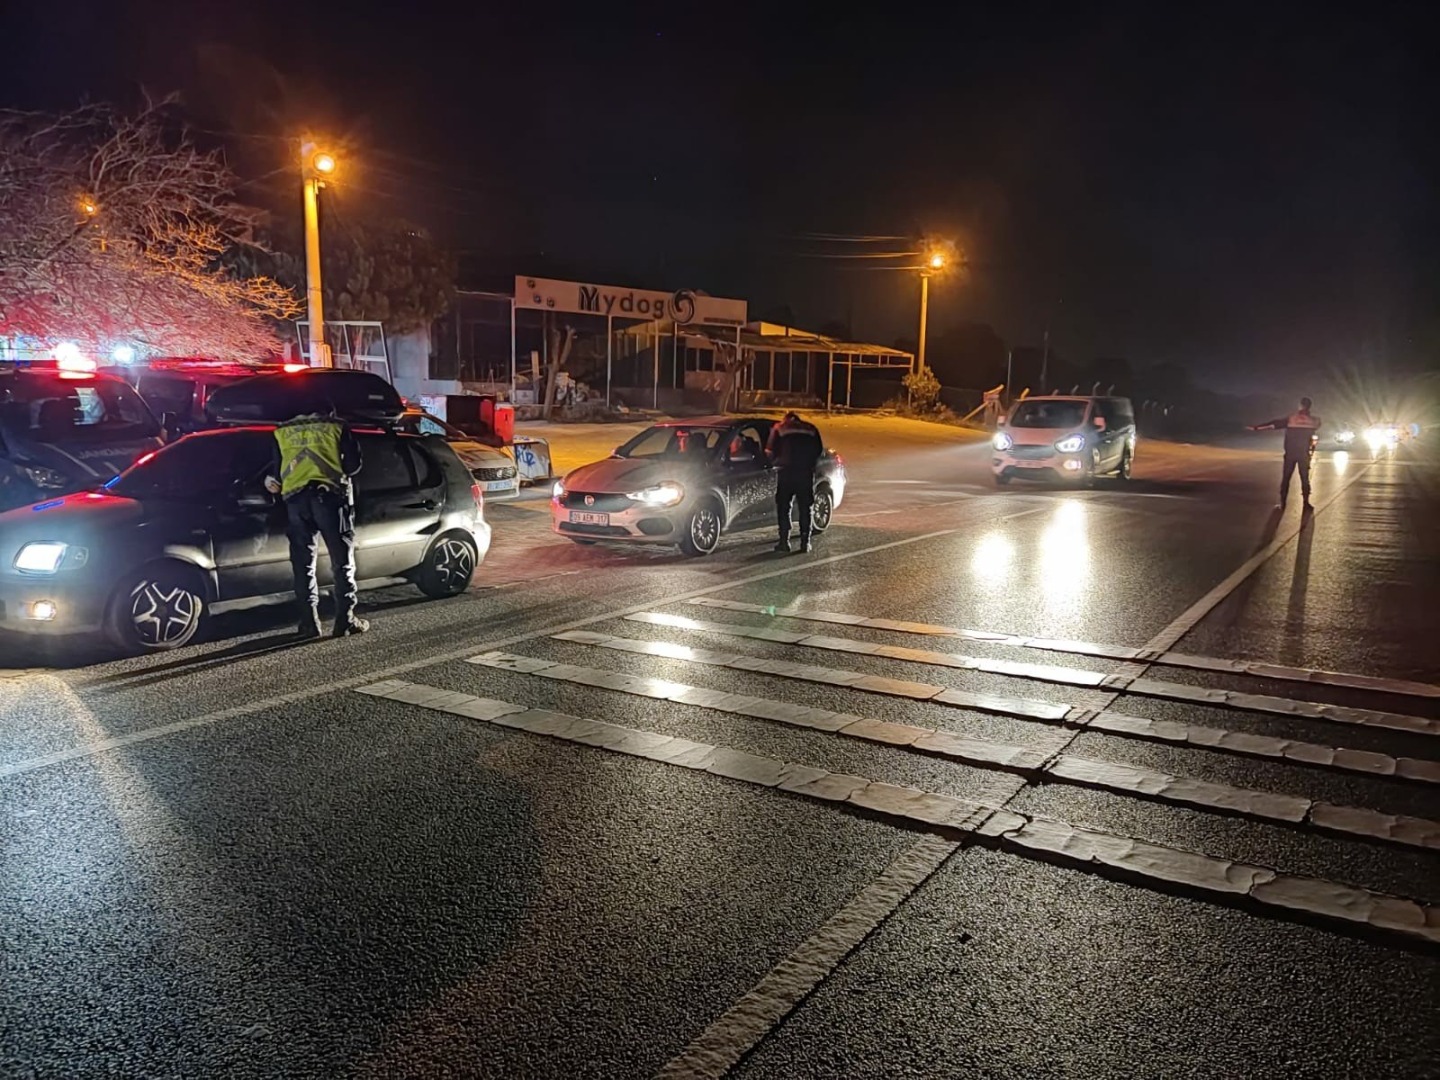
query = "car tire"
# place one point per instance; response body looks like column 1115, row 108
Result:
column 1002, row 479
column 161, row 607
column 822, row 510
column 702, row 530
column 583, row 541
column 1122, row 474
column 448, row 567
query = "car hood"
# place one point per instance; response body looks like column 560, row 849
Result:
column 1022, row 436
column 479, row 456
column 75, row 519
column 630, row 474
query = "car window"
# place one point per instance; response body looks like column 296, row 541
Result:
column 61, row 410
column 424, row 465
column 198, row 467
column 168, row 395
column 1048, row 414
column 385, row 466
column 672, row 441
column 747, row 443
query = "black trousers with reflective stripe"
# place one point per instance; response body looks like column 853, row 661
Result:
column 322, row 511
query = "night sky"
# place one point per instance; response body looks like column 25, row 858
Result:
column 1246, row 191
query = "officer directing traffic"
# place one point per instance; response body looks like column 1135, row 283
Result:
column 794, row 448
column 1300, row 428
column 316, row 455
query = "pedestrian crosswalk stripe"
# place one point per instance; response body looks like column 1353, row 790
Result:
column 1272, row 892
column 1135, row 727
column 1027, row 761
column 1256, row 668
column 1119, row 684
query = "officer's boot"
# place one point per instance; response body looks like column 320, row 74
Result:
column 309, row 624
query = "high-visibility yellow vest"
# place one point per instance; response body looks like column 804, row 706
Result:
column 310, row 453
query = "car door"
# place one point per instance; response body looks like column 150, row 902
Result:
column 1109, row 439
column 249, row 530
column 399, row 494
column 749, row 480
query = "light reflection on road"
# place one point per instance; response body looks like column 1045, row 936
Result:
column 1064, row 564
column 1048, row 573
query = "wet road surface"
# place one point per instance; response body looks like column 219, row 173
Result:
column 977, row 788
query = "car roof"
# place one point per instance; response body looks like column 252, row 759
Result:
column 714, row 421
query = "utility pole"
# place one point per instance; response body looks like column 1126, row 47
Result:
column 316, row 164
column 1045, row 362
column 924, row 314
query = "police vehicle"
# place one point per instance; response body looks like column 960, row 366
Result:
column 64, row 427
column 189, row 530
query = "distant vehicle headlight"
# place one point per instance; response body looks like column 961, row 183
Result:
column 1347, row 436
column 667, row 494
column 558, row 490
column 1002, row 441
column 1071, row 444
column 41, row 558
column 1380, row 436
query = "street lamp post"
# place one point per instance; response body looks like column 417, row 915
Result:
column 317, row 164
column 933, row 265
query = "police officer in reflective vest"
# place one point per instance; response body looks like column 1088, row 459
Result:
column 316, row 455
column 1300, row 428
column 794, row 448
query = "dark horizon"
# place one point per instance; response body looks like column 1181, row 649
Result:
column 1245, row 195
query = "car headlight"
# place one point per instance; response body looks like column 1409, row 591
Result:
column 1002, row 441
column 41, row 558
column 667, row 494
column 1071, row 444
column 1346, row 436
column 558, row 491
column 42, row 477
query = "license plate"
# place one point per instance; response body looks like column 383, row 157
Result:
column 1030, row 465
column 579, row 518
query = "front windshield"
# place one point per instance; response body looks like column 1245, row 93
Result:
column 672, row 441
column 1048, row 414
column 61, row 410
column 200, row 467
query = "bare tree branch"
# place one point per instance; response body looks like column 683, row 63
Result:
column 113, row 227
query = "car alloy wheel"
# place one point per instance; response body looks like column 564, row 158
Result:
column 821, row 511
column 702, row 532
column 1126, row 466
column 161, row 610
column 449, row 567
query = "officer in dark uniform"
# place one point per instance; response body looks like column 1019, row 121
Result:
column 1300, row 428
column 794, row 448
column 315, row 456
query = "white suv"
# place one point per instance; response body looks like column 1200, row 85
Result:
column 1065, row 438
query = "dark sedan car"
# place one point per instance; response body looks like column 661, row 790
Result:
column 683, row 482
column 190, row 531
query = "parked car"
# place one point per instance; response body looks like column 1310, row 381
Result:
column 189, row 531
column 1074, row 439
column 683, row 482
column 493, row 469
column 177, row 388
column 65, row 430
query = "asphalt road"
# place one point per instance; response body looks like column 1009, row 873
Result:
column 772, row 815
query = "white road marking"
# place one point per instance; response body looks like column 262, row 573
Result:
column 1275, row 892
column 1258, row 668
column 101, row 746
column 1113, row 723
column 1029, row 762
column 1120, row 684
